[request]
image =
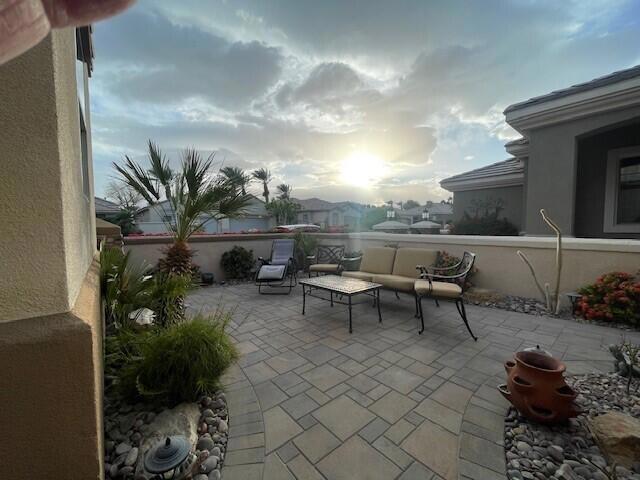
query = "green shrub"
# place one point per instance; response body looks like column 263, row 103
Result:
column 125, row 286
column 486, row 225
column 176, row 364
column 614, row 297
column 167, row 297
column 237, row 263
column 306, row 245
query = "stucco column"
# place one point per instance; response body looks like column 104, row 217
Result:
column 551, row 181
column 50, row 314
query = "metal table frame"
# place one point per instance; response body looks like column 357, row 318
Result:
column 308, row 287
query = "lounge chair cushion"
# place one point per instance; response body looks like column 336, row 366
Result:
column 366, row 276
column 378, row 260
column 396, row 282
column 272, row 272
column 440, row 289
column 408, row 258
column 324, row 267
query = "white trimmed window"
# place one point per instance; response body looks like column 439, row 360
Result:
column 622, row 192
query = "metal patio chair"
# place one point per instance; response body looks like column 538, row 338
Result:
column 280, row 267
column 327, row 260
column 445, row 287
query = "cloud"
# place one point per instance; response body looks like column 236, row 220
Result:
column 158, row 61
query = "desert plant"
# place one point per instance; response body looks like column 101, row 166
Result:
column 626, row 357
column 237, row 263
column 285, row 191
column 237, row 177
column 552, row 301
column 125, row 287
column 195, row 194
column 179, row 363
column 264, row 176
column 614, row 296
column 306, row 245
column 166, row 297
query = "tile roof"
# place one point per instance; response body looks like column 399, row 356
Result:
column 506, row 167
column 614, row 77
column 105, row 206
column 315, row 204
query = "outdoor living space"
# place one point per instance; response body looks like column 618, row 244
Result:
column 309, row 400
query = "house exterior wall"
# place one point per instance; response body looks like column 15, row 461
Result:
column 591, row 178
column 336, row 217
column 50, row 315
column 512, row 198
column 552, row 166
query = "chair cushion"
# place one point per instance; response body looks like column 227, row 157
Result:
column 440, row 289
column 272, row 272
column 408, row 258
column 378, row 260
column 323, row 267
column 395, row 282
column 366, row 276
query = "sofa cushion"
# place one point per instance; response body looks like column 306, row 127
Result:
column 408, row 258
column 440, row 289
column 378, row 260
column 324, row 267
column 366, row 276
column 395, row 282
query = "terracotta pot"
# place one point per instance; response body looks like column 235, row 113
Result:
column 536, row 387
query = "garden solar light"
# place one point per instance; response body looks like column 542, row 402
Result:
column 170, row 459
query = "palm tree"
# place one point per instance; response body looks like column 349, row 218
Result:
column 195, row 194
column 285, row 191
column 237, row 177
column 263, row 175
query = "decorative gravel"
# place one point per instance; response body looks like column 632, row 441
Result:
column 127, row 425
column 569, row 451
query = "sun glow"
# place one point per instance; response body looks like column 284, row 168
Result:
column 362, row 169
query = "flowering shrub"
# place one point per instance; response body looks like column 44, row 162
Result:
column 614, row 297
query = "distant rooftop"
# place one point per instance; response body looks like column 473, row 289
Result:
column 105, row 206
column 609, row 79
column 319, row 205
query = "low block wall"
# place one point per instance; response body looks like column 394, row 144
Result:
column 499, row 268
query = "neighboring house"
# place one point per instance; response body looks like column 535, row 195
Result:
column 580, row 156
column 153, row 219
column 329, row 214
column 499, row 185
column 106, row 209
column 50, row 313
column 435, row 212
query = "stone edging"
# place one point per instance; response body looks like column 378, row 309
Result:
column 244, row 458
column 481, row 441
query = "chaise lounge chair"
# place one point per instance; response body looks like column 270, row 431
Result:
column 280, row 267
column 445, row 287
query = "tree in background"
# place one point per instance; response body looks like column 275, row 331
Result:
column 195, row 193
column 263, row 175
column 285, row 211
column 409, row 204
column 373, row 216
column 237, row 177
column 127, row 198
column 285, row 191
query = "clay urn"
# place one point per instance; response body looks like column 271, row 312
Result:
column 537, row 388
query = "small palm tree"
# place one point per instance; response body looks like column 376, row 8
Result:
column 238, row 177
column 263, row 175
column 195, row 193
column 285, row 191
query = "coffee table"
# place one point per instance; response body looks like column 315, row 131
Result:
column 343, row 287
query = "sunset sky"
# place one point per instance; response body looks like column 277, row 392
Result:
column 361, row 100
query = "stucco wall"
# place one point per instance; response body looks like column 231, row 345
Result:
column 47, row 230
column 499, row 268
column 592, row 173
column 552, row 166
column 512, row 198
